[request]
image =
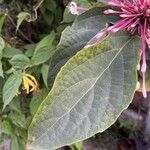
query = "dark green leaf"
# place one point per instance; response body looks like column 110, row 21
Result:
column 89, row 93
column 2, row 20
column 50, row 5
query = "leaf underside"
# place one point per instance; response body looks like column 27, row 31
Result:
column 88, row 94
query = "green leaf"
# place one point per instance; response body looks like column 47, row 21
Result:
column 20, row 61
column 2, row 20
column 74, row 38
column 2, row 45
column 89, row 93
column 37, row 100
column 43, row 50
column 44, row 71
column 50, row 5
column 21, row 17
column 1, row 70
column 9, row 52
column 10, row 88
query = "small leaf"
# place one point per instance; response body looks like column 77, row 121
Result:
column 44, row 71
column 89, row 93
column 20, row 61
column 50, row 5
column 21, row 17
column 2, row 20
column 1, row 70
column 2, row 45
column 43, row 50
column 10, row 87
column 9, row 52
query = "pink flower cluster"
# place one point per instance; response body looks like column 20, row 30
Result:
column 135, row 18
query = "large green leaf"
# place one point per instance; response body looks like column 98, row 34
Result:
column 74, row 38
column 89, row 93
